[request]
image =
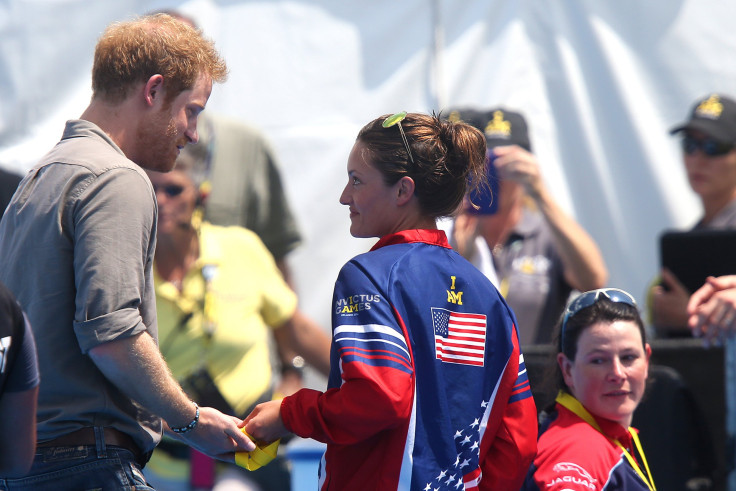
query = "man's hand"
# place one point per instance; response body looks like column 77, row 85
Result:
column 217, row 435
column 517, row 164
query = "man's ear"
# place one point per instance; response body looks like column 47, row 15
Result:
column 404, row 190
column 154, row 90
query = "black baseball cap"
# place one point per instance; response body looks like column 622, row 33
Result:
column 714, row 115
column 499, row 125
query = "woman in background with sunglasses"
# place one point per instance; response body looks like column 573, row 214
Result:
column 221, row 300
column 586, row 441
column 709, row 153
column 427, row 387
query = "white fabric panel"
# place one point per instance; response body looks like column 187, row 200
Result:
column 599, row 82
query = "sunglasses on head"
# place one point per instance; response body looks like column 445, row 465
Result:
column 587, row 299
column 170, row 190
column 708, row 146
column 396, row 119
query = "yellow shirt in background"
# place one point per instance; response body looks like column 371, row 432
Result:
column 245, row 297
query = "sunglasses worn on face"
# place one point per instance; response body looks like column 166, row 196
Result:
column 170, row 190
column 396, row 119
column 587, row 299
column 709, row 147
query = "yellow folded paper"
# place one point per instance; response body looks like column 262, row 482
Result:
column 255, row 459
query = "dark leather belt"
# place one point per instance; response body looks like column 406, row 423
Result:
column 86, row 436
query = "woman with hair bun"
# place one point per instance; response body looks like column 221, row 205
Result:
column 427, row 387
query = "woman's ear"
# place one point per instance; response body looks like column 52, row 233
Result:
column 404, row 190
column 566, row 368
column 648, row 355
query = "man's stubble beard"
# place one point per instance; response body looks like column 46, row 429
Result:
column 157, row 139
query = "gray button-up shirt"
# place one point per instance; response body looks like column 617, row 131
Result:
column 76, row 248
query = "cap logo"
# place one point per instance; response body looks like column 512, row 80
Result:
column 454, row 117
column 498, row 127
column 710, row 108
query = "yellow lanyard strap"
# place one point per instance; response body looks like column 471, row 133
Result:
column 568, row 401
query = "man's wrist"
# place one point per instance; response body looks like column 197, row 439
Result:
column 180, row 430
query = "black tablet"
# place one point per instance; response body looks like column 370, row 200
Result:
column 694, row 255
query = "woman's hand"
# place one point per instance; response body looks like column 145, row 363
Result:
column 264, row 423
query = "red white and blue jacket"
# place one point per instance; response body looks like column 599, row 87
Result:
column 574, row 456
column 428, row 388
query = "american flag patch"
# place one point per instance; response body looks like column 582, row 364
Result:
column 459, row 338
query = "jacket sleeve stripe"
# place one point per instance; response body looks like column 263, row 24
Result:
column 375, row 358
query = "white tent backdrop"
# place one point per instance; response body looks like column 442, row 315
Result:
column 600, row 82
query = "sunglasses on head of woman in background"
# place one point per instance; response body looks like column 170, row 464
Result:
column 170, row 190
column 587, row 299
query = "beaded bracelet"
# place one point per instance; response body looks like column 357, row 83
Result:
column 193, row 424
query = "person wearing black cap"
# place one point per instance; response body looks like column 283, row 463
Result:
column 708, row 143
column 709, row 154
column 540, row 253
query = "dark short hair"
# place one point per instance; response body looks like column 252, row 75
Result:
column 603, row 310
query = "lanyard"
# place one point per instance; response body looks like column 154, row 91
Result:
column 568, row 401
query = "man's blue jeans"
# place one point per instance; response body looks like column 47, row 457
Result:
column 81, row 468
